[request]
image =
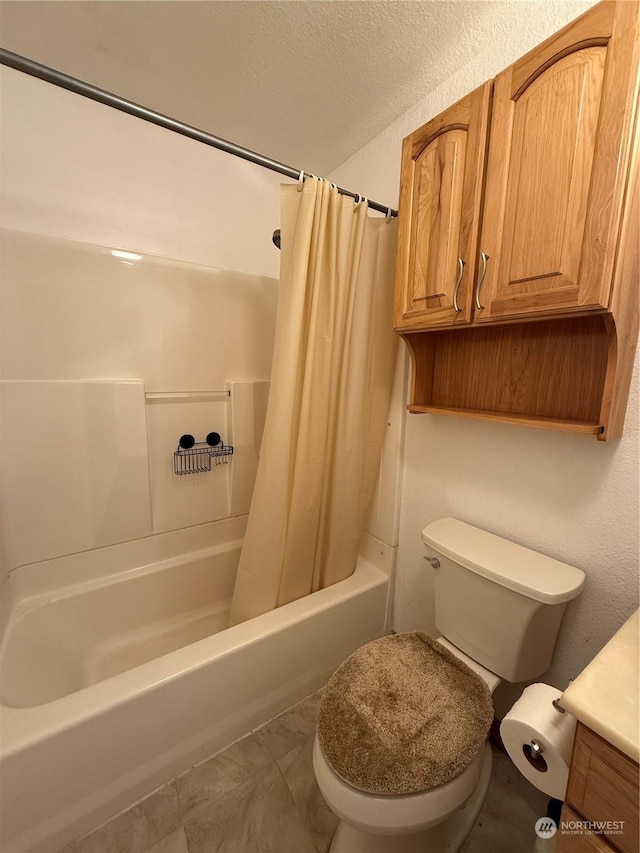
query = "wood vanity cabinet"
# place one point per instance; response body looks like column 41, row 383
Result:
column 602, row 793
column 517, row 267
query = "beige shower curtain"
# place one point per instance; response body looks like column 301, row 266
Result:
column 331, row 380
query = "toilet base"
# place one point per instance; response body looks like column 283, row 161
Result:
column 350, row 840
column 446, row 837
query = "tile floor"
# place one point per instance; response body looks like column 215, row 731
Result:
column 260, row 796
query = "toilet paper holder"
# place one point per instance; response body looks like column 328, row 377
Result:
column 533, row 751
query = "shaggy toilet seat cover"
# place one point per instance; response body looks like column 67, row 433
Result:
column 403, row 714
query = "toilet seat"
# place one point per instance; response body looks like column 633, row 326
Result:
column 403, row 715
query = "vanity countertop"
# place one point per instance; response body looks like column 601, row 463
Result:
column 605, row 695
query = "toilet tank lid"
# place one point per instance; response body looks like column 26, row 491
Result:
column 512, row 566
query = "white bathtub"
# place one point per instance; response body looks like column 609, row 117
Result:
column 122, row 677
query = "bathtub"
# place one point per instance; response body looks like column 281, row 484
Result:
column 117, row 671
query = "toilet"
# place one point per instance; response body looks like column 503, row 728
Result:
column 401, row 754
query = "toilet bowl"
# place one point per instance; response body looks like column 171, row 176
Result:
column 436, row 819
column 498, row 606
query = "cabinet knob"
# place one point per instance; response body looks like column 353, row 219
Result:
column 456, row 307
column 484, row 258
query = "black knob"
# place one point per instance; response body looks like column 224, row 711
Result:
column 213, row 439
column 186, row 441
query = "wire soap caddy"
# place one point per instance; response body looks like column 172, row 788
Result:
column 194, row 457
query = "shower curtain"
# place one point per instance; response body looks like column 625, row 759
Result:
column 331, row 381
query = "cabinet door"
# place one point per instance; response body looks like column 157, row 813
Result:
column 440, row 195
column 603, row 786
column 557, row 167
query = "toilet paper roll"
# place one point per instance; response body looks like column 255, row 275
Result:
column 539, row 739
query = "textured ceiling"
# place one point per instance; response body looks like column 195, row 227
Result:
column 306, row 82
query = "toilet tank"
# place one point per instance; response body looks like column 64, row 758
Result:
column 498, row 602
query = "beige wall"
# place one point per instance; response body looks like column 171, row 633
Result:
column 568, row 496
column 75, row 169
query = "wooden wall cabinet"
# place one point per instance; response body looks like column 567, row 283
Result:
column 517, row 274
column 603, row 789
column 442, row 177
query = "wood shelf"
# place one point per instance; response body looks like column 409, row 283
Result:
column 512, row 418
column 549, row 374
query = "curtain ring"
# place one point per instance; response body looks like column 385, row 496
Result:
column 358, row 200
column 387, row 218
column 300, row 180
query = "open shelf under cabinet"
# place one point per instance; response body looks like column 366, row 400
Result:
column 550, row 374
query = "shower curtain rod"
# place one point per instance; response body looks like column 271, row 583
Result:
column 64, row 81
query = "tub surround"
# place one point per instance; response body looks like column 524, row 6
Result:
column 605, row 696
column 74, row 457
column 114, row 402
